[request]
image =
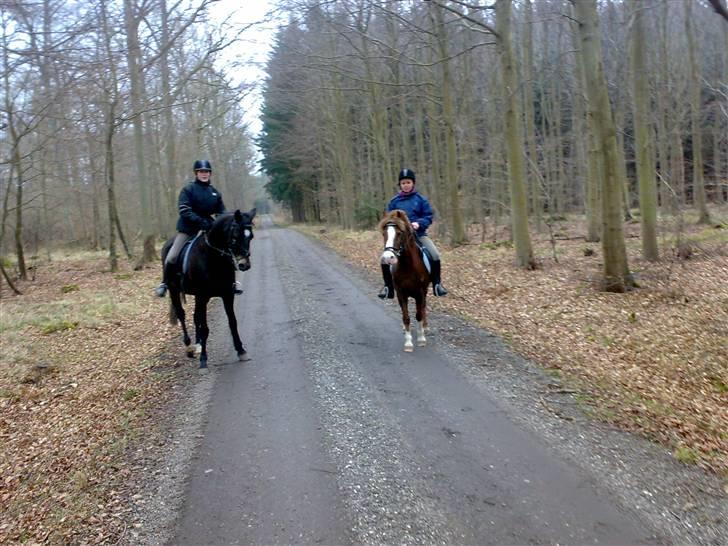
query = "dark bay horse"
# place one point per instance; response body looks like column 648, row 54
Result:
column 209, row 272
column 409, row 273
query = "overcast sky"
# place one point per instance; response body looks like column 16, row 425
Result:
column 245, row 61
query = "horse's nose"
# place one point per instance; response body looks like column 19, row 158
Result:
column 388, row 257
column 244, row 265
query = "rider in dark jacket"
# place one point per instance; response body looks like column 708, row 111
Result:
column 420, row 215
column 198, row 201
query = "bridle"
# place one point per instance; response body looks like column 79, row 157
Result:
column 232, row 241
column 396, row 251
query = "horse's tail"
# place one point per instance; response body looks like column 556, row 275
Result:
column 173, row 318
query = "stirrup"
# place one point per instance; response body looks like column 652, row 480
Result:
column 161, row 290
column 237, row 289
column 439, row 290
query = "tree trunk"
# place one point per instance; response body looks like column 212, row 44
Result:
column 617, row 277
column 535, row 179
column 451, row 180
column 135, row 88
column 696, row 132
column 519, row 204
column 643, row 139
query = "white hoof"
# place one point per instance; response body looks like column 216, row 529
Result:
column 197, row 348
column 409, row 348
column 421, row 342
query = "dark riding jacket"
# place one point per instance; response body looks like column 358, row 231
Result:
column 197, row 203
column 416, row 206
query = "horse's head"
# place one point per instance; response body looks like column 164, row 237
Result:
column 233, row 233
column 396, row 231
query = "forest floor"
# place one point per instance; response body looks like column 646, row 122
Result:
column 89, row 365
column 86, row 366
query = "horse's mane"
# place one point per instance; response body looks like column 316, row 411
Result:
column 399, row 218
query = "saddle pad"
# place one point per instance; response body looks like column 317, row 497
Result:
column 186, row 253
column 425, row 256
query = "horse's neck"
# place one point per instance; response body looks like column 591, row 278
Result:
column 411, row 253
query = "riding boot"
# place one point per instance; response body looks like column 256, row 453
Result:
column 437, row 287
column 161, row 290
column 388, row 290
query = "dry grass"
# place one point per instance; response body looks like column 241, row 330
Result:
column 79, row 384
column 654, row 360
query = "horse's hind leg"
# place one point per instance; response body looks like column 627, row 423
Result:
column 179, row 311
column 201, row 329
column 229, row 303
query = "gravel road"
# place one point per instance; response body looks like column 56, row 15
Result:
column 332, row 434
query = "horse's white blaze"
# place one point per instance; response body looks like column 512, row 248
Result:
column 388, row 257
column 408, row 346
column 421, row 340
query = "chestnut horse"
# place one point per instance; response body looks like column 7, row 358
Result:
column 409, row 273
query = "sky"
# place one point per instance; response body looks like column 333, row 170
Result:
column 245, row 61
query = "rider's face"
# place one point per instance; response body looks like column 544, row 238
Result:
column 406, row 185
column 203, row 176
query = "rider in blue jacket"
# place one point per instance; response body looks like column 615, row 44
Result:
column 420, row 214
column 198, row 201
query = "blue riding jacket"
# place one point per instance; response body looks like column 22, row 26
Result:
column 198, row 201
column 416, row 206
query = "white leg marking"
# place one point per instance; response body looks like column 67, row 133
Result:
column 421, row 340
column 408, row 347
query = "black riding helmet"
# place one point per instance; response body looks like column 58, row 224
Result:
column 407, row 173
column 202, row 165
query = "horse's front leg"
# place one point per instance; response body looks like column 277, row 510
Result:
column 421, row 317
column 179, row 314
column 408, row 346
column 229, row 303
column 201, row 329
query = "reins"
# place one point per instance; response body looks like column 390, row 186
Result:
column 228, row 251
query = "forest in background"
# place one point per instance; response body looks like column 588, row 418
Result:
column 523, row 110
column 105, row 105
column 514, row 111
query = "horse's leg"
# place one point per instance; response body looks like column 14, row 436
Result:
column 402, row 299
column 179, row 311
column 421, row 317
column 229, row 303
column 201, row 329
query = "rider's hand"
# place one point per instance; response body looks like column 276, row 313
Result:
column 416, row 225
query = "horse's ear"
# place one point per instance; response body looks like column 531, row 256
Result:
column 238, row 216
column 252, row 213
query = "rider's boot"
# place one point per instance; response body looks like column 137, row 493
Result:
column 167, row 273
column 437, row 287
column 388, row 290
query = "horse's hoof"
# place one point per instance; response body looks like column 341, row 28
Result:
column 408, row 348
column 421, row 343
column 243, row 357
column 190, row 352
